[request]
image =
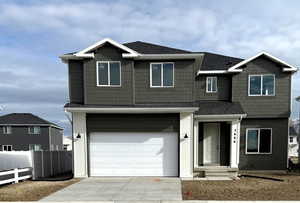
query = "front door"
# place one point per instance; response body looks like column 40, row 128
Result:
column 211, row 144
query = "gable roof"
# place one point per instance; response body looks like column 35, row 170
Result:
column 24, row 119
column 84, row 52
column 148, row 48
column 286, row 67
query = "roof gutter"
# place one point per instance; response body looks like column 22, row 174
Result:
column 220, row 117
column 133, row 110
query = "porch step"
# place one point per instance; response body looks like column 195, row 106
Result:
column 216, row 172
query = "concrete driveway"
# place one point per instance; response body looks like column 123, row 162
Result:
column 131, row 188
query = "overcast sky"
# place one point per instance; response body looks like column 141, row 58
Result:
column 34, row 33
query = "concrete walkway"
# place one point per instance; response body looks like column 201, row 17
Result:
column 125, row 189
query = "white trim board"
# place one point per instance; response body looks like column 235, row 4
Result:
column 288, row 68
column 132, row 110
column 83, row 53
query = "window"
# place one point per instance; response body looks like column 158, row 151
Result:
column 7, row 148
column 6, row 129
column 108, row 73
column 35, row 147
column 211, row 84
column 291, row 139
column 258, row 141
column 34, row 130
column 162, row 74
column 261, row 85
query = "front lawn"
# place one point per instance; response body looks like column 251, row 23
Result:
column 244, row 189
column 32, row 190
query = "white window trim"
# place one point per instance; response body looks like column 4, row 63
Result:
column 33, row 130
column 7, row 146
column 258, row 143
column 5, row 132
column 162, row 79
column 261, row 86
column 211, row 91
column 108, row 73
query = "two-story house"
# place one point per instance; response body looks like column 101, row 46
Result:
column 25, row 131
column 142, row 109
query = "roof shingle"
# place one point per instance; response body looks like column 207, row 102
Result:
column 24, row 118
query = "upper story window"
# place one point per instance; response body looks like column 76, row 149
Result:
column 162, row 74
column 7, row 130
column 211, row 84
column 7, row 148
column 261, row 85
column 291, row 139
column 34, row 130
column 109, row 73
column 258, row 141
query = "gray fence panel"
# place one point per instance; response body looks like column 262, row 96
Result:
column 51, row 163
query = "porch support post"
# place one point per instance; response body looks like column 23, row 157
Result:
column 80, row 145
column 235, row 144
column 186, row 144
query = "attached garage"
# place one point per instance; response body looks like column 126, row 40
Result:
column 133, row 154
column 133, row 144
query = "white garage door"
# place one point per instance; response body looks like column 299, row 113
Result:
column 133, row 154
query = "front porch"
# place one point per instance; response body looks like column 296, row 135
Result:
column 216, row 145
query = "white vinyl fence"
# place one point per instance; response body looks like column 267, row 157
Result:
column 15, row 159
column 43, row 163
column 15, row 175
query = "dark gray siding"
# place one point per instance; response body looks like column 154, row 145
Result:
column 56, row 138
column 20, row 139
column 275, row 161
column 224, row 88
column 183, row 83
column 263, row 106
column 133, row 122
column 76, row 88
column 108, row 95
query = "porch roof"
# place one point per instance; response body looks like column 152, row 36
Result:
column 219, row 108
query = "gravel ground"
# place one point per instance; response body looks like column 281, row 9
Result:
column 244, row 189
column 32, row 190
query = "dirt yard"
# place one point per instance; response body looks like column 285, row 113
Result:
column 32, row 190
column 244, row 189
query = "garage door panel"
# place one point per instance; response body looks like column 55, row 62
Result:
column 133, row 154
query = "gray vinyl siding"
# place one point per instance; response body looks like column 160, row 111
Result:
column 76, row 89
column 263, row 106
column 108, row 95
column 132, row 122
column 56, row 138
column 183, row 83
column 20, row 138
column 275, row 161
column 223, row 88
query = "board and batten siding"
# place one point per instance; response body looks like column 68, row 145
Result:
column 132, row 122
column 108, row 95
column 223, row 88
column 263, row 106
column 275, row 161
column 183, row 83
column 76, row 89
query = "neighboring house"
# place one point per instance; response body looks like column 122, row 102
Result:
column 142, row 109
column 25, row 131
column 293, row 141
column 67, row 141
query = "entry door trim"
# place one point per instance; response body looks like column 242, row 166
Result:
column 217, row 125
